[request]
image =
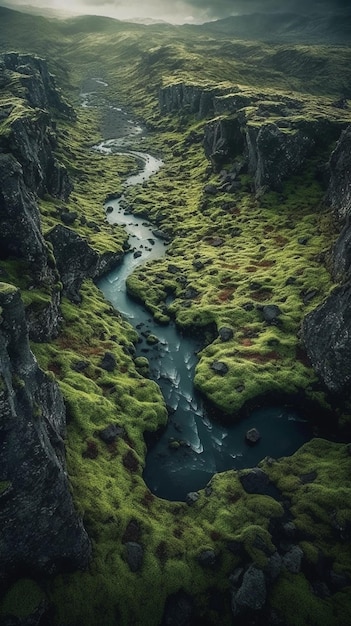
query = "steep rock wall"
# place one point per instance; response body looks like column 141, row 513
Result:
column 40, row 530
column 327, row 330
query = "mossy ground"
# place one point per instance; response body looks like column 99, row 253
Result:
column 260, row 251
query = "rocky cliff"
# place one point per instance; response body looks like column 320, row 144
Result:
column 275, row 133
column 327, row 330
column 41, row 532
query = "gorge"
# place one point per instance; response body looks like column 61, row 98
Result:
column 243, row 279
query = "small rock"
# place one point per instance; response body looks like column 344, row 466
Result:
column 109, row 209
column 271, row 313
column 220, row 368
column 274, row 566
column 225, row 333
column 134, row 555
column 310, row 477
column 252, row 593
column 80, row 366
column 292, row 560
column 207, row 558
column 108, row 362
column 192, row 497
column 111, row 432
column 252, row 436
column 69, row 217
column 211, row 190
column 137, row 254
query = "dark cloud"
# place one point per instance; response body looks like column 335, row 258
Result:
column 188, row 10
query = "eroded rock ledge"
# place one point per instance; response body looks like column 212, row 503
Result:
column 41, row 531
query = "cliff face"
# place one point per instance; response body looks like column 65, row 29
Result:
column 41, row 531
column 327, row 330
column 193, row 98
column 274, row 133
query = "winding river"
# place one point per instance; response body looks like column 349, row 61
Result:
column 191, row 449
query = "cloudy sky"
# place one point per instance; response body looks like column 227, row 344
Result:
column 181, row 10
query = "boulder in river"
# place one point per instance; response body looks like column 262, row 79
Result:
column 252, row 436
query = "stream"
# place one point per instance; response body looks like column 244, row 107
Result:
column 192, row 448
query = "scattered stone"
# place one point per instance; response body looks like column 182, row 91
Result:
column 191, row 293
column 160, row 234
column 225, row 333
column 198, row 265
column 252, row 593
column 132, row 532
column 217, row 242
column 302, row 241
column 134, row 555
column 137, row 254
column 310, row 477
column 109, row 209
column 274, row 566
column 211, row 190
column 252, row 436
column 220, row 368
column 271, row 313
column 110, row 433
column 108, row 362
column 192, row 497
column 255, row 481
column 207, row 558
column 80, row 366
column 69, row 217
column 292, row 560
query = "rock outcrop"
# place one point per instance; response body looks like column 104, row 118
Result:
column 39, row 84
column 192, row 98
column 274, row 154
column 327, row 337
column 223, row 141
column 40, row 530
column 28, row 170
column 327, row 330
column 339, row 191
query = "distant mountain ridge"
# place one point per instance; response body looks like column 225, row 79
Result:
column 285, row 27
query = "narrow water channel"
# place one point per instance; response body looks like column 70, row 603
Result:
column 192, row 448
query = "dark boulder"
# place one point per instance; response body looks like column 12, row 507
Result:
column 255, row 481
column 134, row 555
column 110, row 433
column 225, row 333
column 271, row 314
column 108, row 362
column 252, row 436
column 220, row 368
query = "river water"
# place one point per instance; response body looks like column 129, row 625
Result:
column 192, row 448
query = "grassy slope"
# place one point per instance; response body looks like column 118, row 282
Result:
column 106, row 481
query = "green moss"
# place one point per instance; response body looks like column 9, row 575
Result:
column 22, row 599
